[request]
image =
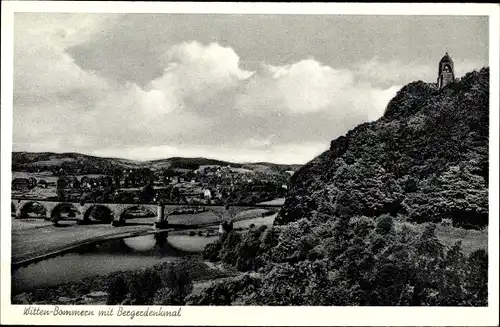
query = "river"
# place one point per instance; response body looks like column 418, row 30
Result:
column 117, row 255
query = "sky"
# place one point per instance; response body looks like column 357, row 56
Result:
column 243, row 88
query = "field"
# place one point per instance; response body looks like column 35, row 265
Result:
column 279, row 201
column 471, row 239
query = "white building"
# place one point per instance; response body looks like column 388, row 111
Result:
column 207, row 193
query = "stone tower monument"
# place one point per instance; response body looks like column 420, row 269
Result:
column 446, row 73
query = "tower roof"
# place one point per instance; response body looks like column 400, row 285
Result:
column 446, row 58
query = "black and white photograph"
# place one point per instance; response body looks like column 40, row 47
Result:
column 160, row 162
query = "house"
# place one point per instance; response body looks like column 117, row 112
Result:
column 73, row 182
column 32, row 182
column 42, row 183
column 85, row 182
column 67, row 182
column 20, row 184
column 207, row 193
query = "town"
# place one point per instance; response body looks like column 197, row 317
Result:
column 210, row 184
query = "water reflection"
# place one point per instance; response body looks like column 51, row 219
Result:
column 107, row 257
column 141, row 243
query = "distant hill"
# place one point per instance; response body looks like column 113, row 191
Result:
column 81, row 163
column 425, row 160
column 42, row 161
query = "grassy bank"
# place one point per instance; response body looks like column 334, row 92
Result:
column 471, row 239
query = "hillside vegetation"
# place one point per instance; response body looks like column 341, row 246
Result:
column 425, row 160
column 359, row 225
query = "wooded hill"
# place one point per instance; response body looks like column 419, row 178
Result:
column 425, row 160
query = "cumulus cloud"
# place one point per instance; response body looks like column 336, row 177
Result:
column 308, row 87
column 202, row 104
column 42, row 66
column 194, row 73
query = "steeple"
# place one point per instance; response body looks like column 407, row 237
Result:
column 446, row 73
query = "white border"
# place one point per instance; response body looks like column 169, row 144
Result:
column 270, row 316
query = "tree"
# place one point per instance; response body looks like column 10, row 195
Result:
column 143, row 286
column 385, row 224
column 147, row 193
column 117, row 290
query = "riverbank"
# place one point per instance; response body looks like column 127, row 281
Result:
column 82, row 275
column 95, row 290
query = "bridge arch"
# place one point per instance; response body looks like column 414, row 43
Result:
column 220, row 213
column 31, row 206
column 99, row 212
column 55, row 213
column 121, row 217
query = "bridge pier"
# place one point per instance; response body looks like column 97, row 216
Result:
column 161, row 220
column 55, row 217
column 224, row 228
column 161, row 238
column 116, row 223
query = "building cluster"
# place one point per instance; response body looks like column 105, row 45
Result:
column 24, row 184
column 209, row 184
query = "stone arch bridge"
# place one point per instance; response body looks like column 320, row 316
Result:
column 53, row 210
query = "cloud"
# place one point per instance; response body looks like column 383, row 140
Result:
column 42, row 66
column 194, row 73
column 203, row 103
column 308, row 87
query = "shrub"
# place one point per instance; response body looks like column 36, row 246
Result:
column 167, row 296
column 447, row 222
column 176, row 284
column 143, row 286
column 212, row 251
column 385, row 224
column 241, row 289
